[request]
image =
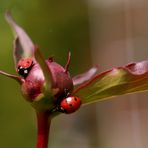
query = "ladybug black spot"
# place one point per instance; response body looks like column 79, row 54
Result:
column 75, row 99
column 70, row 105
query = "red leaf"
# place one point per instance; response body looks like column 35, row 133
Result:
column 81, row 78
column 19, row 79
column 23, row 46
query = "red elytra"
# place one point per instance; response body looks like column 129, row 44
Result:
column 25, row 63
column 70, row 104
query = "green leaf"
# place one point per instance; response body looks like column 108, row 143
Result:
column 46, row 72
column 117, row 81
column 43, row 103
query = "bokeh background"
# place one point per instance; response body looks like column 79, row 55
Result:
column 106, row 32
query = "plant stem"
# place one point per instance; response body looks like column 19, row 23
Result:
column 43, row 127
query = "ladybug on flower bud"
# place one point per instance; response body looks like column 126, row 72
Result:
column 70, row 104
column 24, row 65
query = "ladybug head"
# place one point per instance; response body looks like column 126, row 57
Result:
column 23, row 71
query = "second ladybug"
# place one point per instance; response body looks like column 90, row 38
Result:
column 70, row 104
column 24, row 65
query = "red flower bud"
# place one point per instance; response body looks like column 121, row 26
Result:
column 33, row 84
column 43, row 83
column 61, row 79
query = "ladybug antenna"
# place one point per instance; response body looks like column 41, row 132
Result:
column 68, row 62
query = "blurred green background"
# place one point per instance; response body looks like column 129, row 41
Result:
column 105, row 32
column 55, row 26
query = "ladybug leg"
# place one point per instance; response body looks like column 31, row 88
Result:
column 67, row 93
column 68, row 62
column 58, row 109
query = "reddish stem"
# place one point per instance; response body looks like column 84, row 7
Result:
column 43, row 125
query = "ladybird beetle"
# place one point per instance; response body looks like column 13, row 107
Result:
column 70, row 104
column 24, row 66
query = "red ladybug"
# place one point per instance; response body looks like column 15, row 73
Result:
column 70, row 104
column 24, row 66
